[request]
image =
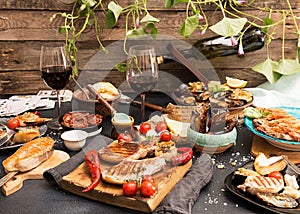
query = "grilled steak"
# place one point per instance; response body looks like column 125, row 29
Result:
column 117, row 152
column 255, row 184
column 130, row 169
column 30, row 155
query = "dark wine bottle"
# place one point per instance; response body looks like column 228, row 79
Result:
column 220, row 46
column 252, row 40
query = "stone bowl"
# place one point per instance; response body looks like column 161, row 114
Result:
column 212, row 143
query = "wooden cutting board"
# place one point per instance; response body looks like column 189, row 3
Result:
column 165, row 180
column 16, row 182
column 261, row 145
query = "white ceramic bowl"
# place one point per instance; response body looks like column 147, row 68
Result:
column 121, row 124
column 74, row 140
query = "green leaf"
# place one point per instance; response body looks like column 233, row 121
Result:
column 267, row 21
column 153, row 31
column 149, row 18
column 63, row 29
column 110, row 21
column 121, row 67
column 229, row 27
column 252, row 113
column 169, row 4
column 136, row 32
column 190, row 24
column 287, row 67
column 172, row 3
column 112, row 15
column 267, row 69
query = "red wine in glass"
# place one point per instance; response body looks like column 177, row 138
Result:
column 56, row 77
column 142, row 71
column 56, row 70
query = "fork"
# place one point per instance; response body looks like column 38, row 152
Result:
column 293, row 166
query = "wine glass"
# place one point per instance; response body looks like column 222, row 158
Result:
column 56, row 69
column 142, row 71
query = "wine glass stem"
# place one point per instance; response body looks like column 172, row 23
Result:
column 58, row 103
column 143, row 106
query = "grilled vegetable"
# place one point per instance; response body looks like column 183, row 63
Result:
column 93, row 162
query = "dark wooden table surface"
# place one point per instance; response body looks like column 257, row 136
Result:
column 38, row 196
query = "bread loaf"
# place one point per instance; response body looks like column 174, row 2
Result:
column 26, row 135
column 264, row 165
column 29, row 155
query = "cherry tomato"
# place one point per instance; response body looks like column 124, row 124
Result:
column 275, row 174
column 161, row 126
column 148, row 178
column 13, row 123
column 145, row 127
column 130, row 188
column 165, row 136
column 148, row 188
column 123, row 137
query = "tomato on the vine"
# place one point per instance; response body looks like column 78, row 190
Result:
column 148, row 188
column 124, row 138
column 275, row 174
column 130, row 188
column 145, row 127
column 13, row 123
column 161, row 126
column 165, row 136
column 148, row 178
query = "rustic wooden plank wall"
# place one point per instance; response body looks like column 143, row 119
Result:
column 25, row 27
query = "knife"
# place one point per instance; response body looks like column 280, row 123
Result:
column 7, row 177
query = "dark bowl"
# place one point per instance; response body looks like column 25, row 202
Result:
column 89, row 128
column 91, row 105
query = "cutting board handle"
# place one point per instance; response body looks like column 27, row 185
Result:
column 13, row 185
column 16, row 182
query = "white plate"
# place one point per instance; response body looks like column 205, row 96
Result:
column 43, row 130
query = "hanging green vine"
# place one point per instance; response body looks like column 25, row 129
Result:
column 140, row 22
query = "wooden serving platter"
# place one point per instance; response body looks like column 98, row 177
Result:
column 259, row 144
column 165, row 180
column 16, row 182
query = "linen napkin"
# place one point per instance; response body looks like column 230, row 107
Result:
column 188, row 188
column 271, row 98
column 55, row 175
